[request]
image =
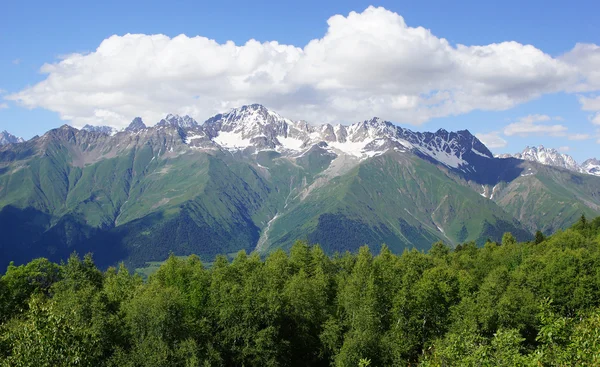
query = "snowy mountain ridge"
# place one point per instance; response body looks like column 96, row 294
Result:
column 8, row 138
column 254, row 128
column 258, row 128
column 553, row 157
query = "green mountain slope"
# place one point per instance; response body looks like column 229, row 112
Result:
column 396, row 199
column 548, row 198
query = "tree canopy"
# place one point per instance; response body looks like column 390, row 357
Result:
column 504, row 304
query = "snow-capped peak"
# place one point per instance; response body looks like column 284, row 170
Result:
column 549, row 156
column 552, row 157
column 591, row 166
column 8, row 138
column 254, row 112
column 247, row 120
column 255, row 125
column 371, row 129
column 258, row 127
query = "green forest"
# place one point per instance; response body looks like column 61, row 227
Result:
column 535, row 303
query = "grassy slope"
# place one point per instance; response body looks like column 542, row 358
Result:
column 551, row 199
column 397, row 199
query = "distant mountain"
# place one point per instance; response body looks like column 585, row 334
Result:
column 178, row 121
column 100, row 129
column 8, row 138
column 592, row 166
column 136, row 125
column 552, row 157
column 250, row 179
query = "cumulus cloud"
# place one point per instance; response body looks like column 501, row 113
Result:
column 367, row 64
column 492, row 140
column 585, row 57
column 591, row 103
column 596, row 119
column 3, row 106
column 564, row 149
column 530, row 125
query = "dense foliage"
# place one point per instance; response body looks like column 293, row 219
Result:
column 506, row 304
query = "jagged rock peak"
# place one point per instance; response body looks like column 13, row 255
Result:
column 136, row 125
column 178, row 121
column 591, row 161
column 549, row 156
column 8, row 138
column 254, row 113
column 250, row 122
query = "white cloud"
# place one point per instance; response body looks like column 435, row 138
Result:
column 564, row 149
column 492, row 140
column 579, row 136
column 367, row 64
column 3, row 106
column 585, row 58
column 529, row 125
column 590, row 103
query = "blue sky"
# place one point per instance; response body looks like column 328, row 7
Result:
column 510, row 112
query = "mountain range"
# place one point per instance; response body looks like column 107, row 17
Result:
column 251, row 179
column 552, row 157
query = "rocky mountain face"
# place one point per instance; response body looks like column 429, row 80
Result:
column 177, row 121
column 8, row 138
column 552, row 157
column 251, row 179
column 136, row 125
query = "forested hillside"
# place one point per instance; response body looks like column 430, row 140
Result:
column 505, row 304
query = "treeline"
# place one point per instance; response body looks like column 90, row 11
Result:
column 506, row 304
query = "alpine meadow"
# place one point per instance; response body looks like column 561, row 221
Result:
column 282, row 184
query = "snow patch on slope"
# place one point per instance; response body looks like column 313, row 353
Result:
column 449, row 160
column 290, row 143
column 356, row 149
column 231, row 140
column 479, row 153
column 188, row 139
